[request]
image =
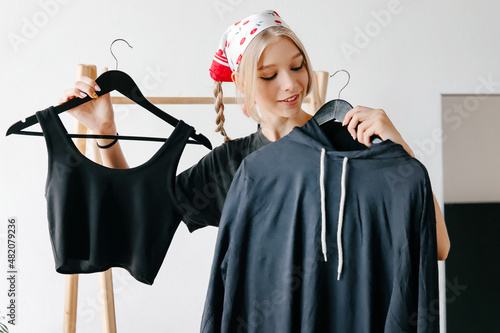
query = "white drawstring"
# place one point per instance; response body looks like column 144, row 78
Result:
column 341, row 210
column 323, row 210
column 341, row 218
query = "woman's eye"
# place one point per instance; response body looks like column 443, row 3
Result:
column 268, row 78
column 293, row 69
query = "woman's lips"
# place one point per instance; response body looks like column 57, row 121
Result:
column 292, row 100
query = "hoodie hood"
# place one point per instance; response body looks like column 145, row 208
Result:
column 312, row 135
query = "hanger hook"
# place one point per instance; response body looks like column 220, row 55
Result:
column 111, row 49
column 348, row 79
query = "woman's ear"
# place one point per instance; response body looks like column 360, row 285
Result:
column 235, row 76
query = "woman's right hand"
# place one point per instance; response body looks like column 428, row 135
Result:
column 97, row 114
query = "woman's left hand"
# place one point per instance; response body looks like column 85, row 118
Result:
column 371, row 122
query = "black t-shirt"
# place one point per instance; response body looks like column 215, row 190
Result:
column 201, row 190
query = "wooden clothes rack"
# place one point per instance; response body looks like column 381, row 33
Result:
column 315, row 100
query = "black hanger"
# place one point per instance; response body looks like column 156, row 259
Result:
column 109, row 81
column 330, row 116
column 335, row 109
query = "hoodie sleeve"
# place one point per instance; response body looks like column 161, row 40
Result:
column 428, row 295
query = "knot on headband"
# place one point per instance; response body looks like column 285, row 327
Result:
column 236, row 39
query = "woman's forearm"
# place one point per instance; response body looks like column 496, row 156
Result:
column 112, row 157
column 443, row 241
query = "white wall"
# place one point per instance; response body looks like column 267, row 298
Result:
column 402, row 62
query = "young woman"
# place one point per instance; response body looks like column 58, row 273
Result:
column 271, row 70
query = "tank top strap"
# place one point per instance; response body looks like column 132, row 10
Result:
column 171, row 151
column 54, row 135
column 178, row 139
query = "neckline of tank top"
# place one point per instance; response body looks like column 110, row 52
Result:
column 177, row 129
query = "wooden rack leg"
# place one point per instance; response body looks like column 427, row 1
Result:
column 107, row 302
column 71, row 298
column 106, row 296
column 69, row 325
column 322, row 81
column 314, row 96
column 318, row 94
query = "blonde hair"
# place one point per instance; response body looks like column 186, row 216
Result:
column 248, row 74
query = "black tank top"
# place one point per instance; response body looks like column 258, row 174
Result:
column 101, row 217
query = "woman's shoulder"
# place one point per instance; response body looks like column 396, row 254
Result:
column 242, row 146
column 226, row 156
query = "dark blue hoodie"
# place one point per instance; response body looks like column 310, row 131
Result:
column 313, row 239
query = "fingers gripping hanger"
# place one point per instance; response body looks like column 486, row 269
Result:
column 109, row 81
column 335, row 109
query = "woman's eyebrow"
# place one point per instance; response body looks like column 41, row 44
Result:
column 272, row 65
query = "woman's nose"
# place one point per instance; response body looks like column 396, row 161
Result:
column 288, row 82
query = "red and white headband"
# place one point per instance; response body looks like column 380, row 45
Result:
column 236, row 39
